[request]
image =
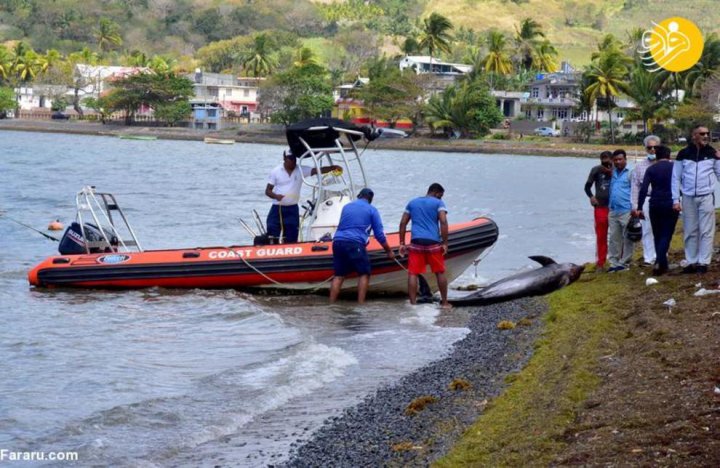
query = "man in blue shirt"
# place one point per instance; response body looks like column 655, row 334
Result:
column 428, row 242
column 620, row 249
column 350, row 241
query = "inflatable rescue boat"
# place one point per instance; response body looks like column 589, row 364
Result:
column 101, row 250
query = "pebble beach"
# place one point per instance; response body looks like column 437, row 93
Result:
column 381, row 431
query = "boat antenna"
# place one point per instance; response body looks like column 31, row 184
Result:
column 48, row 236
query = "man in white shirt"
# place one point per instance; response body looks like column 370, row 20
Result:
column 284, row 184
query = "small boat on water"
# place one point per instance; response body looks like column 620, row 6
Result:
column 124, row 136
column 101, row 250
column 219, row 141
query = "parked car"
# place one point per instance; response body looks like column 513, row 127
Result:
column 57, row 115
column 546, row 131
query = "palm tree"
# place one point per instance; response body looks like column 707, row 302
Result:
column 644, row 88
column 544, row 57
column 707, row 66
column 304, row 56
column 526, row 38
column 5, row 63
column 436, row 35
column 108, row 35
column 137, row 59
column 258, row 60
column 498, row 59
column 608, row 43
column 606, row 79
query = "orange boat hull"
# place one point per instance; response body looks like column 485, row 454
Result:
column 293, row 267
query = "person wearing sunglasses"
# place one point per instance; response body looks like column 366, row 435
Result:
column 695, row 173
column 651, row 142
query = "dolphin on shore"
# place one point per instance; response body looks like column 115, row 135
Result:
column 552, row 276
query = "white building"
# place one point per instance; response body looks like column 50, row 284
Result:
column 93, row 80
column 232, row 93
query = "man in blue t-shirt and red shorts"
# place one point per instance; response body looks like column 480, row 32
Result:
column 429, row 240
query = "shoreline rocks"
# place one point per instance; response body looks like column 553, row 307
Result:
column 447, row 396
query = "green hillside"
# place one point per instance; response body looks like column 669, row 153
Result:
column 575, row 26
column 341, row 32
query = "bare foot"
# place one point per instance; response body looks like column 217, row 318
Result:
column 446, row 306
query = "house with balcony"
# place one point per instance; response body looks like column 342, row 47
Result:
column 554, row 96
column 232, row 93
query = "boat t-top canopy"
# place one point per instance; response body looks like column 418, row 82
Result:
column 322, row 133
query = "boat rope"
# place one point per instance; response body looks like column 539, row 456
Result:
column 48, row 236
column 279, row 283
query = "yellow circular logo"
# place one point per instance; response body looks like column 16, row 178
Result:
column 675, row 44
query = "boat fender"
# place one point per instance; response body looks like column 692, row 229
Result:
column 55, row 226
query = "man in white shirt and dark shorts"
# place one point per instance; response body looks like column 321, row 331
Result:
column 284, row 184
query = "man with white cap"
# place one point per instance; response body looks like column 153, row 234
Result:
column 284, row 184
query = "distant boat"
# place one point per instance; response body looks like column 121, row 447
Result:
column 137, row 137
column 219, row 141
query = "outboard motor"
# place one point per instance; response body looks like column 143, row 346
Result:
column 73, row 242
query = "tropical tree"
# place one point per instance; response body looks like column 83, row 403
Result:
column 259, row 60
column 606, row 79
column 391, row 94
column 5, row 63
column 544, row 57
column 159, row 91
column 645, row 88
column 77, row 81
column 527, row 36
column 707, row 67
column 435, row 35
column 108, row 35
column 410, row 46
column 498, row 60
column 467, row 108
column 608, row 44
column 304, row 56
column 297, row 94
column 7, row 99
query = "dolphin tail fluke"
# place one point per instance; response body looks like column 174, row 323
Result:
column 542, row 260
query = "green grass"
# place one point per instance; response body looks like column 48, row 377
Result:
column 525, row 425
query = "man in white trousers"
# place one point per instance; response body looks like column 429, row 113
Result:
column 648, row 243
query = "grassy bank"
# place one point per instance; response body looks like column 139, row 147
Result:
column 618, row 378
column 528, row 421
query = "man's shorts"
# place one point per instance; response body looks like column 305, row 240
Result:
column 349, row 257
column 419, row 256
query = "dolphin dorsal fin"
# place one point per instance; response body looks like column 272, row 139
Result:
column 544, row 261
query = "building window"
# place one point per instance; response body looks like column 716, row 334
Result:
column 212, row 113
column 535, row 92
column 528, row 113
column 562, row 114
column 540, row 113
column 246, row 92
